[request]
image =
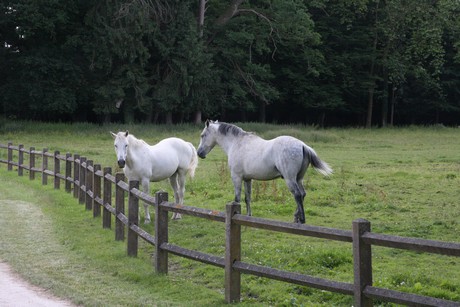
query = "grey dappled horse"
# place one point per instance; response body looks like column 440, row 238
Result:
column 251, row 157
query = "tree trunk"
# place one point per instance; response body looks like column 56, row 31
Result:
column 150, row 115
column 243, row 115
column 128, row 113
column 155, row 118
column 169, row 120
column 229, row 13
column 262, row 112
column 392, row 114
column 107, row 118
column 370, row 106
column 201, row 14
column 385, row 98
column 197, row 117
column 322, row 119
column 371, row 90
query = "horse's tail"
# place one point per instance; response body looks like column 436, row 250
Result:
column 194, row 162
column 316, row 162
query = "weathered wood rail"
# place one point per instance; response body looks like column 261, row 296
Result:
column 93, row 185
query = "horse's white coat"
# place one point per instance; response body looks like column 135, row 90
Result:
column 251, row 157
column 171, row 158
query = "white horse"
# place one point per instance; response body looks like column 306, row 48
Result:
column 171, row 158
column 251, row 157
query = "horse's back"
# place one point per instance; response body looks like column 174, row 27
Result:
column 173, row 142
column 288, row 149
column 175, row 147
column 176, row 144
column 260, row 159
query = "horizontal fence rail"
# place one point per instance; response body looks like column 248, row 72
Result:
column 93, row 186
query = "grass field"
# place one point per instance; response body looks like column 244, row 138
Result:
column 406, row 181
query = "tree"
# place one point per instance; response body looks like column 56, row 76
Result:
column 117, row 48
column 354, row 62
column 42, row 77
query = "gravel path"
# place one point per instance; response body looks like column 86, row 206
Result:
column 15, row 292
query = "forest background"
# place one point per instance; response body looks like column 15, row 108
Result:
column 318, row 62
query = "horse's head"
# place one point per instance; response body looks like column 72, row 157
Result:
column 207, row 138
column 121, row 147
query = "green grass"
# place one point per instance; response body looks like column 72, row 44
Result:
column 404, row 180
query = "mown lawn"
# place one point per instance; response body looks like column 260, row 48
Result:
column 404, row 180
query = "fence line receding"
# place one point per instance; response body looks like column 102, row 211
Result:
column 93, row 185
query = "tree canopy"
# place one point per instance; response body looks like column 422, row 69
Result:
column 322, row 62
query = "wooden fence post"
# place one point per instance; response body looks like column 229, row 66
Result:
column 31, row 163
column 89, row 185
column 44, row 166
column 161, row 233
column 68, row 172
column 82, row 177
column 10, row 156
column 362, row 263
column 232, row 254
column 119, row 208
column 20, row 159
column 57, row 170
column 133, row 218
column 76, row 175
column 106, row 215
column 96, row 190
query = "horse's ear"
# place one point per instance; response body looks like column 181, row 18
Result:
column 126, row 133
column 113, row 134
column 207, row 123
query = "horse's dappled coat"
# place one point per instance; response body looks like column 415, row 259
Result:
column 251, row 157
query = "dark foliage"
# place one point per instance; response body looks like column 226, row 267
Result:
column 327, row 63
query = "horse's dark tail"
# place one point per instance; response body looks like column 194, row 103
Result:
column 316, row 162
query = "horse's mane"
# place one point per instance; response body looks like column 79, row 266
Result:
column 225, row 128
column 135, row 141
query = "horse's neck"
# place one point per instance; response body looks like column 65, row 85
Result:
column 133, row 149
column 227, row 142
column 135, row 143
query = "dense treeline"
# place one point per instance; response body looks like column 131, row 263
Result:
column 325, row 62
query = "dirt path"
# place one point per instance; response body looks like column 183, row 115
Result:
column 15, row 292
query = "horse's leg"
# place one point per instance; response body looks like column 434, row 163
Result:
column 237, row 182
column 303, row 193
column 302, row 197
column 181, row 190
column 145, row 188
column 247, row 196
column 175, row 187
column 300, row 176
column 299, row 194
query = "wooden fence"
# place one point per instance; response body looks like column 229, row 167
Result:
column 93, row 185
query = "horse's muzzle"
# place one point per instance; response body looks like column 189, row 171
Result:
column 121, row 163
column 201, row 154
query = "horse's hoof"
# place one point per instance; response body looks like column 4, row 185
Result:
column 147, row 222
column 299, row 221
